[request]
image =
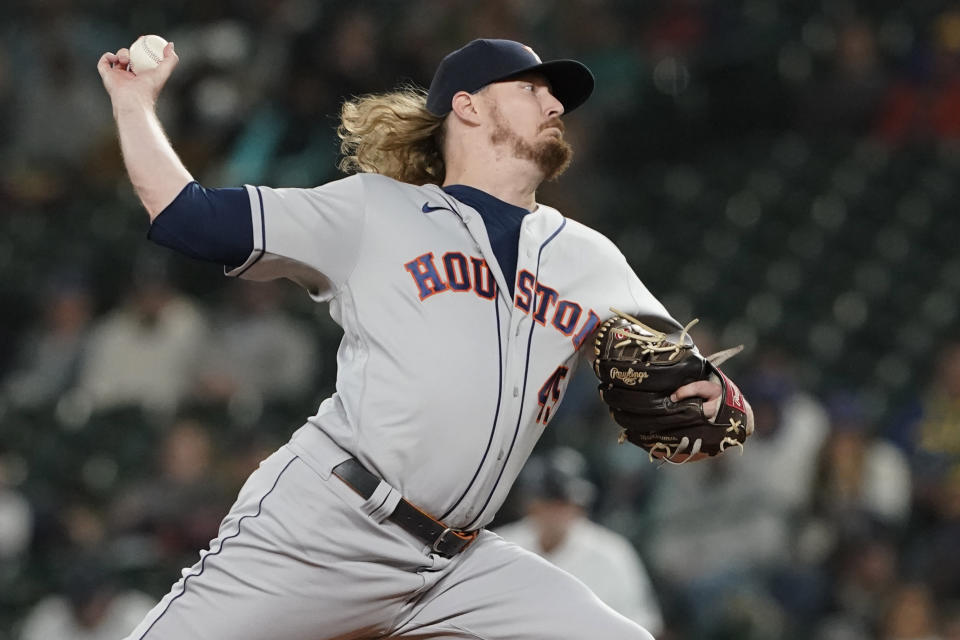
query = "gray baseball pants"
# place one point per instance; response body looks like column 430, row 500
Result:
column 301, row 556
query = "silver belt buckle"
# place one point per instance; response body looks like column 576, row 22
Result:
column 439, row 540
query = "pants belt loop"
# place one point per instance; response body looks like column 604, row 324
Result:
column 384, row 502
column 381, row 502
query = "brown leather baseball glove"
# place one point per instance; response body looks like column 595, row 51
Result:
column 640, row 363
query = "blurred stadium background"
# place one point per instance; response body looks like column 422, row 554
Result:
column 785, row 171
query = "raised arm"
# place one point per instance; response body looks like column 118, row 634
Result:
column 156, row 172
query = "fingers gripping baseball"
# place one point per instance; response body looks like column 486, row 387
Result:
column 106, row 64
column 121, row 83
column 166, row 66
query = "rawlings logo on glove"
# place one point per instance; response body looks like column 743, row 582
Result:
column 640, row 365
column 629, row 376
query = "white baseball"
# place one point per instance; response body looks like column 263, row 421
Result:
column 146, row 53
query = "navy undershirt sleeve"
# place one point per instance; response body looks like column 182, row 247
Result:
column 502, row 220
column 207, row 224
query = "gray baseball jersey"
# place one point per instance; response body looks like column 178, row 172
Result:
column 445, row 382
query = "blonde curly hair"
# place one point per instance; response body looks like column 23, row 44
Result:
column 394, row 135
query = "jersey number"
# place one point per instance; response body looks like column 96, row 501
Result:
column 549, row 394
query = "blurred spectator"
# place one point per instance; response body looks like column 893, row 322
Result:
column 64, row 526
column 950, row 620
column 846, row 558
column 145, row 353
column 258, row 349
column 49, row 358
column 57, row 115
column 179, row 510
column 77, row 527
column 16, row 516
column 864, row 480
column 911, row 615
column 932, row 545
column 938, row 431
column 92, row 606
column 929, row 430
column 864, row 577
column 557, row 497
column 243, row 454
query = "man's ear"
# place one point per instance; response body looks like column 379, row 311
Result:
column 464, row 105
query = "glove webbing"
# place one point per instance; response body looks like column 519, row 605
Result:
column 657, row 341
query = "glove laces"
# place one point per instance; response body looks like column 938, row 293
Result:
column 657, row 341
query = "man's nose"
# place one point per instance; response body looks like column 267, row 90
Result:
column 552, row 107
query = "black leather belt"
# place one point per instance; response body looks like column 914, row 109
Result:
column 441, row 539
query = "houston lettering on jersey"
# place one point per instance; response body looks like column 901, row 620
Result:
column 463, row 273
column 537, row 298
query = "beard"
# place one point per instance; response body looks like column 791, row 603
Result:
column 552, row 156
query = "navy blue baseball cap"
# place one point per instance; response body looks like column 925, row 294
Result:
column 481, row 62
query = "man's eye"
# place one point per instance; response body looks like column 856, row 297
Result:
column 528, row 87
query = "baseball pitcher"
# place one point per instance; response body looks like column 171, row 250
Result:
column 465, row 305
